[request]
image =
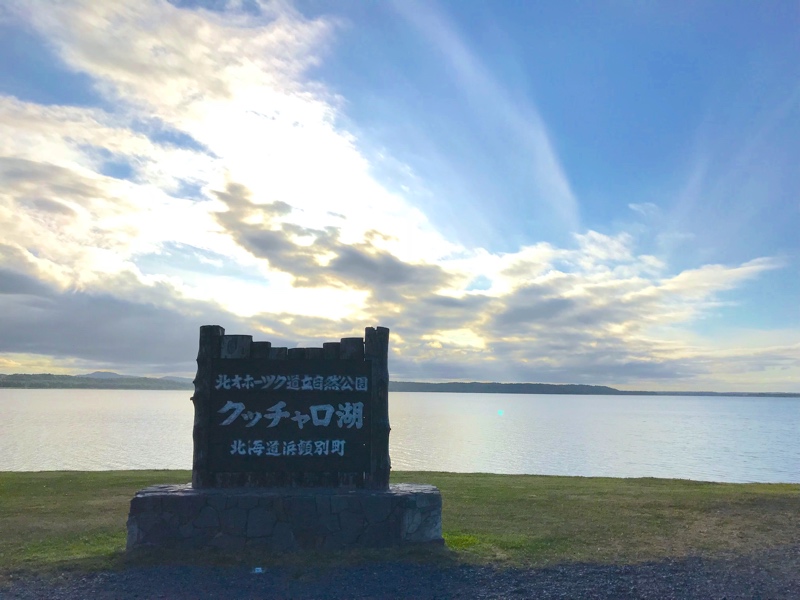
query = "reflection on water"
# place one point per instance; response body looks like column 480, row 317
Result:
column 95, row 430
column 703, row 438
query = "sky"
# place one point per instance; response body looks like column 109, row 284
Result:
column 562, row 192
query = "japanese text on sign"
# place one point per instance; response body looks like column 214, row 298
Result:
column 349, row 415
column 290, row 448
column 326, row 383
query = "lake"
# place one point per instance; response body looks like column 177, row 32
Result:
column 730, row 439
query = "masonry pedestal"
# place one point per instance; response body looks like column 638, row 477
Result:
column 284, row 519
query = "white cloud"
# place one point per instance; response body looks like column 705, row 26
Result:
column 646, row 209
column 522, row 123
column 291, row 229
column 710, row 279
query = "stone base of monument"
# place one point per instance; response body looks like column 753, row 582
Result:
column 178, row 516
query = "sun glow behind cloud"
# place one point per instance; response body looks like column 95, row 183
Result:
column 290, row 233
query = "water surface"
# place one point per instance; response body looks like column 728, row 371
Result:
column 704, row 438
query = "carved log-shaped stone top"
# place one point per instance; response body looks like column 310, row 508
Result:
column 276, row 416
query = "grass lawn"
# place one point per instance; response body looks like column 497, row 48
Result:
column 59, row 520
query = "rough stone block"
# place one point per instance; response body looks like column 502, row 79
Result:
column 328, row 523
column 427, row 500
column 338, row 503
column 225, row 541
column 332, row 542
column 245, row 502
column 429, row 529
column 260, row 522
column 134, row 534
column 354, row 502
column 201, row 537
column 148, row 520
column 145, row 502
column 323, row 504
column 302, row 510
column 234, row 521
column 217, row 501
column 308, row 538
column 266, row 501
column 259, row 542
column 186, row 506
column 207, row 518
column 186, row 531
column 282, row 537
column 375, row 536
column 279, row 506
column 411, row 522
column 377, row 507
column 352, row 525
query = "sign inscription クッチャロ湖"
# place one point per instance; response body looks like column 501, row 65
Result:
column 306, row 415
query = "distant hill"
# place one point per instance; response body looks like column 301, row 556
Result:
column 502, row 388
column 103, row 375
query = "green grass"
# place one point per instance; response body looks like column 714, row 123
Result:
column 60, row 520
column 67, row 517
column 528, row 519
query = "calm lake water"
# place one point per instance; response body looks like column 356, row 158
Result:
column 702, row 438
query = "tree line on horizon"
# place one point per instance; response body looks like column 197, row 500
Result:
column 49, row 381
column 122, row 382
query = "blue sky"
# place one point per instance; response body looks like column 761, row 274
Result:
column 522, row 191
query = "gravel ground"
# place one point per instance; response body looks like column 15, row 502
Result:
column 768, row 574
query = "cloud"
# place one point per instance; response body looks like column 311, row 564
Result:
column 646, row 209
column 583, row 324
column 710, row 279
column 77, row 224
column 8, row 363
column 106, row 329
column 192, row 56
column 140, row 330
column 287, row 234
column 318, row 257
column 46, row 205
column 520, row 122
column 18, row 284
column 88, row 138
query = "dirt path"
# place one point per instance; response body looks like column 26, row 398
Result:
column 773, row 574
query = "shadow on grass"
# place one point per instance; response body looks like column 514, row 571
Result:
column 298, row 564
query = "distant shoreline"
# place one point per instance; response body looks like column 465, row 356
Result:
column 553, row 388
column 121, row 382
column 74, row 382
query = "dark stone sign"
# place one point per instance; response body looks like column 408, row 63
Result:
column 281, row 439
column 304, row 417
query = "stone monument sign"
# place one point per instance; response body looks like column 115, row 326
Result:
column 305, row 417
column 291, row 451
